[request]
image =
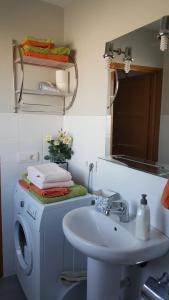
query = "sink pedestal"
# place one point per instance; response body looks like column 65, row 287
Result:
column 103, row 280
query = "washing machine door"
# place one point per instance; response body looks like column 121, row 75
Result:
column 23, row 245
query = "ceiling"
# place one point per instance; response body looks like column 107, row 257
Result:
column 61, row 3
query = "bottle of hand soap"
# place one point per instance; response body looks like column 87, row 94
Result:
column 143, row 220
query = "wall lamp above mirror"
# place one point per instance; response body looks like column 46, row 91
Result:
column 111, row 53
column 164, row 33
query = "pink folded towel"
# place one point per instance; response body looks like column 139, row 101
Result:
column 49, row 172
column 47, row 185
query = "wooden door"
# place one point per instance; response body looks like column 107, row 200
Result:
column 136, row 116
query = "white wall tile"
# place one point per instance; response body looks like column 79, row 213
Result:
column 51, row 124
column 88, row 134
column 9, row 175
column 8, row 126
column 8, row 150
column 29, row 126
column 131, row 184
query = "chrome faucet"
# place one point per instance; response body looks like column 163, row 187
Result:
column 118, row 207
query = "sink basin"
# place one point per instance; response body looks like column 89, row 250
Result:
column 110, row 246
column 104, row 238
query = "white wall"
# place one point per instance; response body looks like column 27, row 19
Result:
column 21, row 133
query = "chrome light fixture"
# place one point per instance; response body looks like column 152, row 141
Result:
column 127, row 59
column 164, row 33
column 109, row 51
column 110, row 54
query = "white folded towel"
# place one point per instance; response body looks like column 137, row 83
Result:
column 47, row 185
column 73, row 276
column 50, row 172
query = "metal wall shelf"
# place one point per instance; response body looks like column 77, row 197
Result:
column 20, row 104
column 43, row 93
column 41, row 62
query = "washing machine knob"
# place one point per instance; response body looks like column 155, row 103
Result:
column 22, row 203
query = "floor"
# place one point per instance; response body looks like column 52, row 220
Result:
column 10, row 289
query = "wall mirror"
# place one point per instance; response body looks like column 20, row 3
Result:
column 140, row 111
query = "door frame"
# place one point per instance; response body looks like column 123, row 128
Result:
column 155, row 103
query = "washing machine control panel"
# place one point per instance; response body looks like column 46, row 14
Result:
column 31, row 211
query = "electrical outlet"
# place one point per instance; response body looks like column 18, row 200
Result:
column 26, row 157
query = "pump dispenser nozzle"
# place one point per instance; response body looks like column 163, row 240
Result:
column 143, row 199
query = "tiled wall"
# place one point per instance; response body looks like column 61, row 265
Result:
column 89, row 134
column 19, row 133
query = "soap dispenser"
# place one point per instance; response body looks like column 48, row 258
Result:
column 143, row 219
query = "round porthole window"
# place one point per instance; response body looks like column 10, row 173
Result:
column 23, row 246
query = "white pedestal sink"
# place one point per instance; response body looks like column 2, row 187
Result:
column 109, row 245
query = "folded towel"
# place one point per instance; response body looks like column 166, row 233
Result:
column 73, row 276
column 165, row 196
column 53, row 192
column 44, row 43
column 61, row 58
column 48, row 185
column 76, row 191
column 25, row 184
column 48, row 173
column 53, row 51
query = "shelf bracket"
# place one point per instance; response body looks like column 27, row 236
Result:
column 76, row 86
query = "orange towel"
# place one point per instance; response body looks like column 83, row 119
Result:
column 24, row 184
column 38, row 44
column 165, row 196
column 49, row 193
column 56, row 57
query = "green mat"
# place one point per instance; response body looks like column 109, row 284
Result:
column 76, row 191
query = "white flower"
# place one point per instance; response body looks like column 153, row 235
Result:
column 48, row 138
column 67, row 140
column 56, row 143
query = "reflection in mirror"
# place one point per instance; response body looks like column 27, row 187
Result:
column 140, row 111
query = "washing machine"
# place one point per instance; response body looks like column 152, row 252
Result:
column 42, row 251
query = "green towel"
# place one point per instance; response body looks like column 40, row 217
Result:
column 32, row 38
column 76, row 191
column 59, row 51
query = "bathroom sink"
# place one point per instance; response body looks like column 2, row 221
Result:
column 104, row 238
